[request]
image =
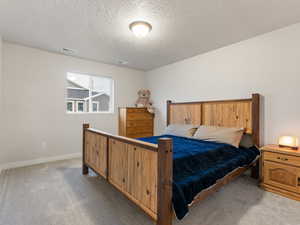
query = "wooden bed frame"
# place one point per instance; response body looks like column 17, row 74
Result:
column 143, row 171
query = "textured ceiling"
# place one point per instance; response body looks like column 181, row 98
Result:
column 98, row 29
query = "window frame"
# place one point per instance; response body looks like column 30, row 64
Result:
column 112, row 95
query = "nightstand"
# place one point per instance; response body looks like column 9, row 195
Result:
column 281, row 171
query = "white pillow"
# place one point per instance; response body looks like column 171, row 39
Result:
column 184, row 130
column 226, row 135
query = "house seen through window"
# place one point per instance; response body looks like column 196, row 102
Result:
column 89, row 94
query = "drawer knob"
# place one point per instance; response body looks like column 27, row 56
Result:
column 283, row 159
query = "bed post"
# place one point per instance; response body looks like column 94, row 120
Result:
column 85, row 169
column 168, row 111
column 255, row 130
column 255, row 119
column 164, row 184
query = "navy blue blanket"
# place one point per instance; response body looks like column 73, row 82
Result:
column 198, row 164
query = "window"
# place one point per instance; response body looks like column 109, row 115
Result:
column 80, row 107
column 95, row 106
column 70, row 106
column 89, row 94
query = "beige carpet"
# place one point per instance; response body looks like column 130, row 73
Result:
column 57, row 194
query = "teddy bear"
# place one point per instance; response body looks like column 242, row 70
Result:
column 144, row 101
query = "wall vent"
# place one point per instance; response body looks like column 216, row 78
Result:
column 68, row 51
column 122, row 62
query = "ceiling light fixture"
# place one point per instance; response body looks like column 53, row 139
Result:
column 140, row 28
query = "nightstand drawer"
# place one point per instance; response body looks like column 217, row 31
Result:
column 282, row 158
column 282, row 176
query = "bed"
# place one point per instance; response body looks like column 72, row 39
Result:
column 198, row 165
column 163, row 173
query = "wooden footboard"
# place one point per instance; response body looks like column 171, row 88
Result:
column 140, row 170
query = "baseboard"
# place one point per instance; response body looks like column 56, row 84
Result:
column 38, row 161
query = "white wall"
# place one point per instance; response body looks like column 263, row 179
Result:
column 33, row 84
column 34, row 102
column 1, row 90
column 268, row 64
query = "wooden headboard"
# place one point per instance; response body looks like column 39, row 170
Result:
column 239, row 113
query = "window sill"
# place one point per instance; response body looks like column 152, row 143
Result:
column 88, row 113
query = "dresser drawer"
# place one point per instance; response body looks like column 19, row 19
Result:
column 139, row 116
column 140, row 135
column 139, row 130
column 282, row 176
column 140, row 123
column 137, row 110
column 282, row 158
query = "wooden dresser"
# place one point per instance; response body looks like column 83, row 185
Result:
column 281, row 171
column 135, row 122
